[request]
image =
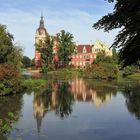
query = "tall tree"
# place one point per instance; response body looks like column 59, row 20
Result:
column 26, row 61
column 9, row 52
column 66, row 47
column 46, row 51
column 10, row 62
column 126, row 16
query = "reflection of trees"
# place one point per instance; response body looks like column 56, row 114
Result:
column 132, row 95
column 57, row 98
column 10, row 104
column 66, row 100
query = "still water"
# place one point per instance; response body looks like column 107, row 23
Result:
column 75, row 109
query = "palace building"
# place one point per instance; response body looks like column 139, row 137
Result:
column 82, row 56
column 85, row 54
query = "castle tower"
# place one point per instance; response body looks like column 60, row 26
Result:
column 40, row 36
column 41, row 33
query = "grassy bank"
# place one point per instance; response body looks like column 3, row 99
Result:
column 135, row 76
column 66, row 72
column 34, row 84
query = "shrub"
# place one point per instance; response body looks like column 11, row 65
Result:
column 101, row 71
column 46, row 69
column 9, row 79
column 129, row 70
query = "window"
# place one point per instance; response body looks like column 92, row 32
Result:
column 83, row 63
column 40, row 33
column 77, row 63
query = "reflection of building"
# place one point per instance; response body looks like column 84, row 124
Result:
column 82, row 92
column 60, row 95
column 43, row 103
column 39, row 110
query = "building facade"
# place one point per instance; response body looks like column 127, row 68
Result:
column 85, row 54
column 82, row 56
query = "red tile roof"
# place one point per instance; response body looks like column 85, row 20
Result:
column 80, row 48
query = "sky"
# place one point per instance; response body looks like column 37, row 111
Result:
column 75, row 16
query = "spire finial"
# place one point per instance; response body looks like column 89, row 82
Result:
column 41, row 21
column 41, row 14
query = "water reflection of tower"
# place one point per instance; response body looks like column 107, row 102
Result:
column 39, row 110
column 44, row 102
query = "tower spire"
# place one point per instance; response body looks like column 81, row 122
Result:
column 41, row 21
column 41, row 15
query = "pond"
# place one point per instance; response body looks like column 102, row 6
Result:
column 75, row 109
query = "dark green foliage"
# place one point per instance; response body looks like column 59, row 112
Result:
column 66, row 47
column 44, row 70
column 126, row 16
column 26, row 62
column 132, row 95
column 9, row 53
column 10, row 107
column 46, row 52
column 6, row 124
column 66, row 101
column 10, row 62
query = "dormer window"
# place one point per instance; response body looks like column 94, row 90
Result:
column 84, row 50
